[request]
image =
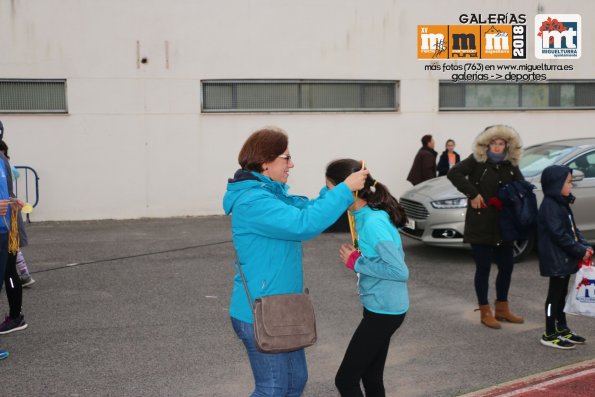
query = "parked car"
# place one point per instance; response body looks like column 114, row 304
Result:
column 436, row 209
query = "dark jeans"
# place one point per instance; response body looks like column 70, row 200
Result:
column 484, row 255
column 366, row 355
column 554, row 304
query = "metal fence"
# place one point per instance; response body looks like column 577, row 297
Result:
column 27, row 186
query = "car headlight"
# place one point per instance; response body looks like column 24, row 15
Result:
column 450, row 203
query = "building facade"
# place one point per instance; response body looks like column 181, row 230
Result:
column 140, row 107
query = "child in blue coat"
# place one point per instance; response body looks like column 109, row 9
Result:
column 561, row 246
column 382, row 280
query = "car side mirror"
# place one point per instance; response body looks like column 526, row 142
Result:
column 577, row 176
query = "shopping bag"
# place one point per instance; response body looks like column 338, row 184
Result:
column 581, row 299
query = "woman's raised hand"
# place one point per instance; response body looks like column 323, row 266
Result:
column 356, row 180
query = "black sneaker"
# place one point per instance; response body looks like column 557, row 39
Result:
column 12, row 324
column 571, row 337
column 555, row 341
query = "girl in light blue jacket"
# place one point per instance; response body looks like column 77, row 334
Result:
column 382, row 274
column 268, row 227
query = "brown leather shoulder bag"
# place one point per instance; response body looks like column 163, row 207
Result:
column 284, row 322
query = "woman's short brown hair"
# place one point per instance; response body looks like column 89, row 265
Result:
column 263, row 146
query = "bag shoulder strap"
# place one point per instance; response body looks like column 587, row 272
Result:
column 237, row 262
column 239, row 265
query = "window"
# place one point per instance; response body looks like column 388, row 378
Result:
column 299, row 96
column 585, row 163
column 549, row 95
column 32, row 96
column 536, row 158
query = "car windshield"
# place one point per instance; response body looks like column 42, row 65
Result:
column 536, row 158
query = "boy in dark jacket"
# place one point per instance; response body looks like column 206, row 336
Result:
column 561, row 247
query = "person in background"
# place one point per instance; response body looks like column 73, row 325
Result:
column 497, row 151
column 448, row 158
column 382, row 280
column 3, row 232
column 23, row 270
column 424, row 163
column 268, row 227
column 5, row 203
column 561, row 246
column 15, row 321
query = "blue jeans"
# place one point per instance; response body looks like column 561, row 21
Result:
column 275, row 374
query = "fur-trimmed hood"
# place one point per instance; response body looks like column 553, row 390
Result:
column 514, row 145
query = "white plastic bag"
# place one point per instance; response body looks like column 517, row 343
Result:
column 581, row 298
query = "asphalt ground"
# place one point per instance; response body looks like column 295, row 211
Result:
column 139, row 308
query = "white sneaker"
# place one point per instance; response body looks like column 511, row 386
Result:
column 27, row 281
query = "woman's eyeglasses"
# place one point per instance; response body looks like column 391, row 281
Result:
column 285, row 156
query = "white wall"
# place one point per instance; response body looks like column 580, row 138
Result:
column 134, row 143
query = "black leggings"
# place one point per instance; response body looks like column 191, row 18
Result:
column 366, row 355
column 554, row 304
column 483, row 255
column 14, row 289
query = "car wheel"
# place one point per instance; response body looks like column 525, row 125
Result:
column 522, row 248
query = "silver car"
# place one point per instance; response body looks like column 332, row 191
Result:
column 436, row 209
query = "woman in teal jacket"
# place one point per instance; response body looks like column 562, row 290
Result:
column 382, row 280
column 268, row 227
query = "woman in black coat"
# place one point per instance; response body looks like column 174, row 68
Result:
column 448, row 158
column 561, row 246
column 494, row 163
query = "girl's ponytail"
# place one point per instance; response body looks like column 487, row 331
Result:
column 374, row 192
column 378, row 196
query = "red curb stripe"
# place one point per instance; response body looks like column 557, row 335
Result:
column 583, row 374
column 543, row 386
